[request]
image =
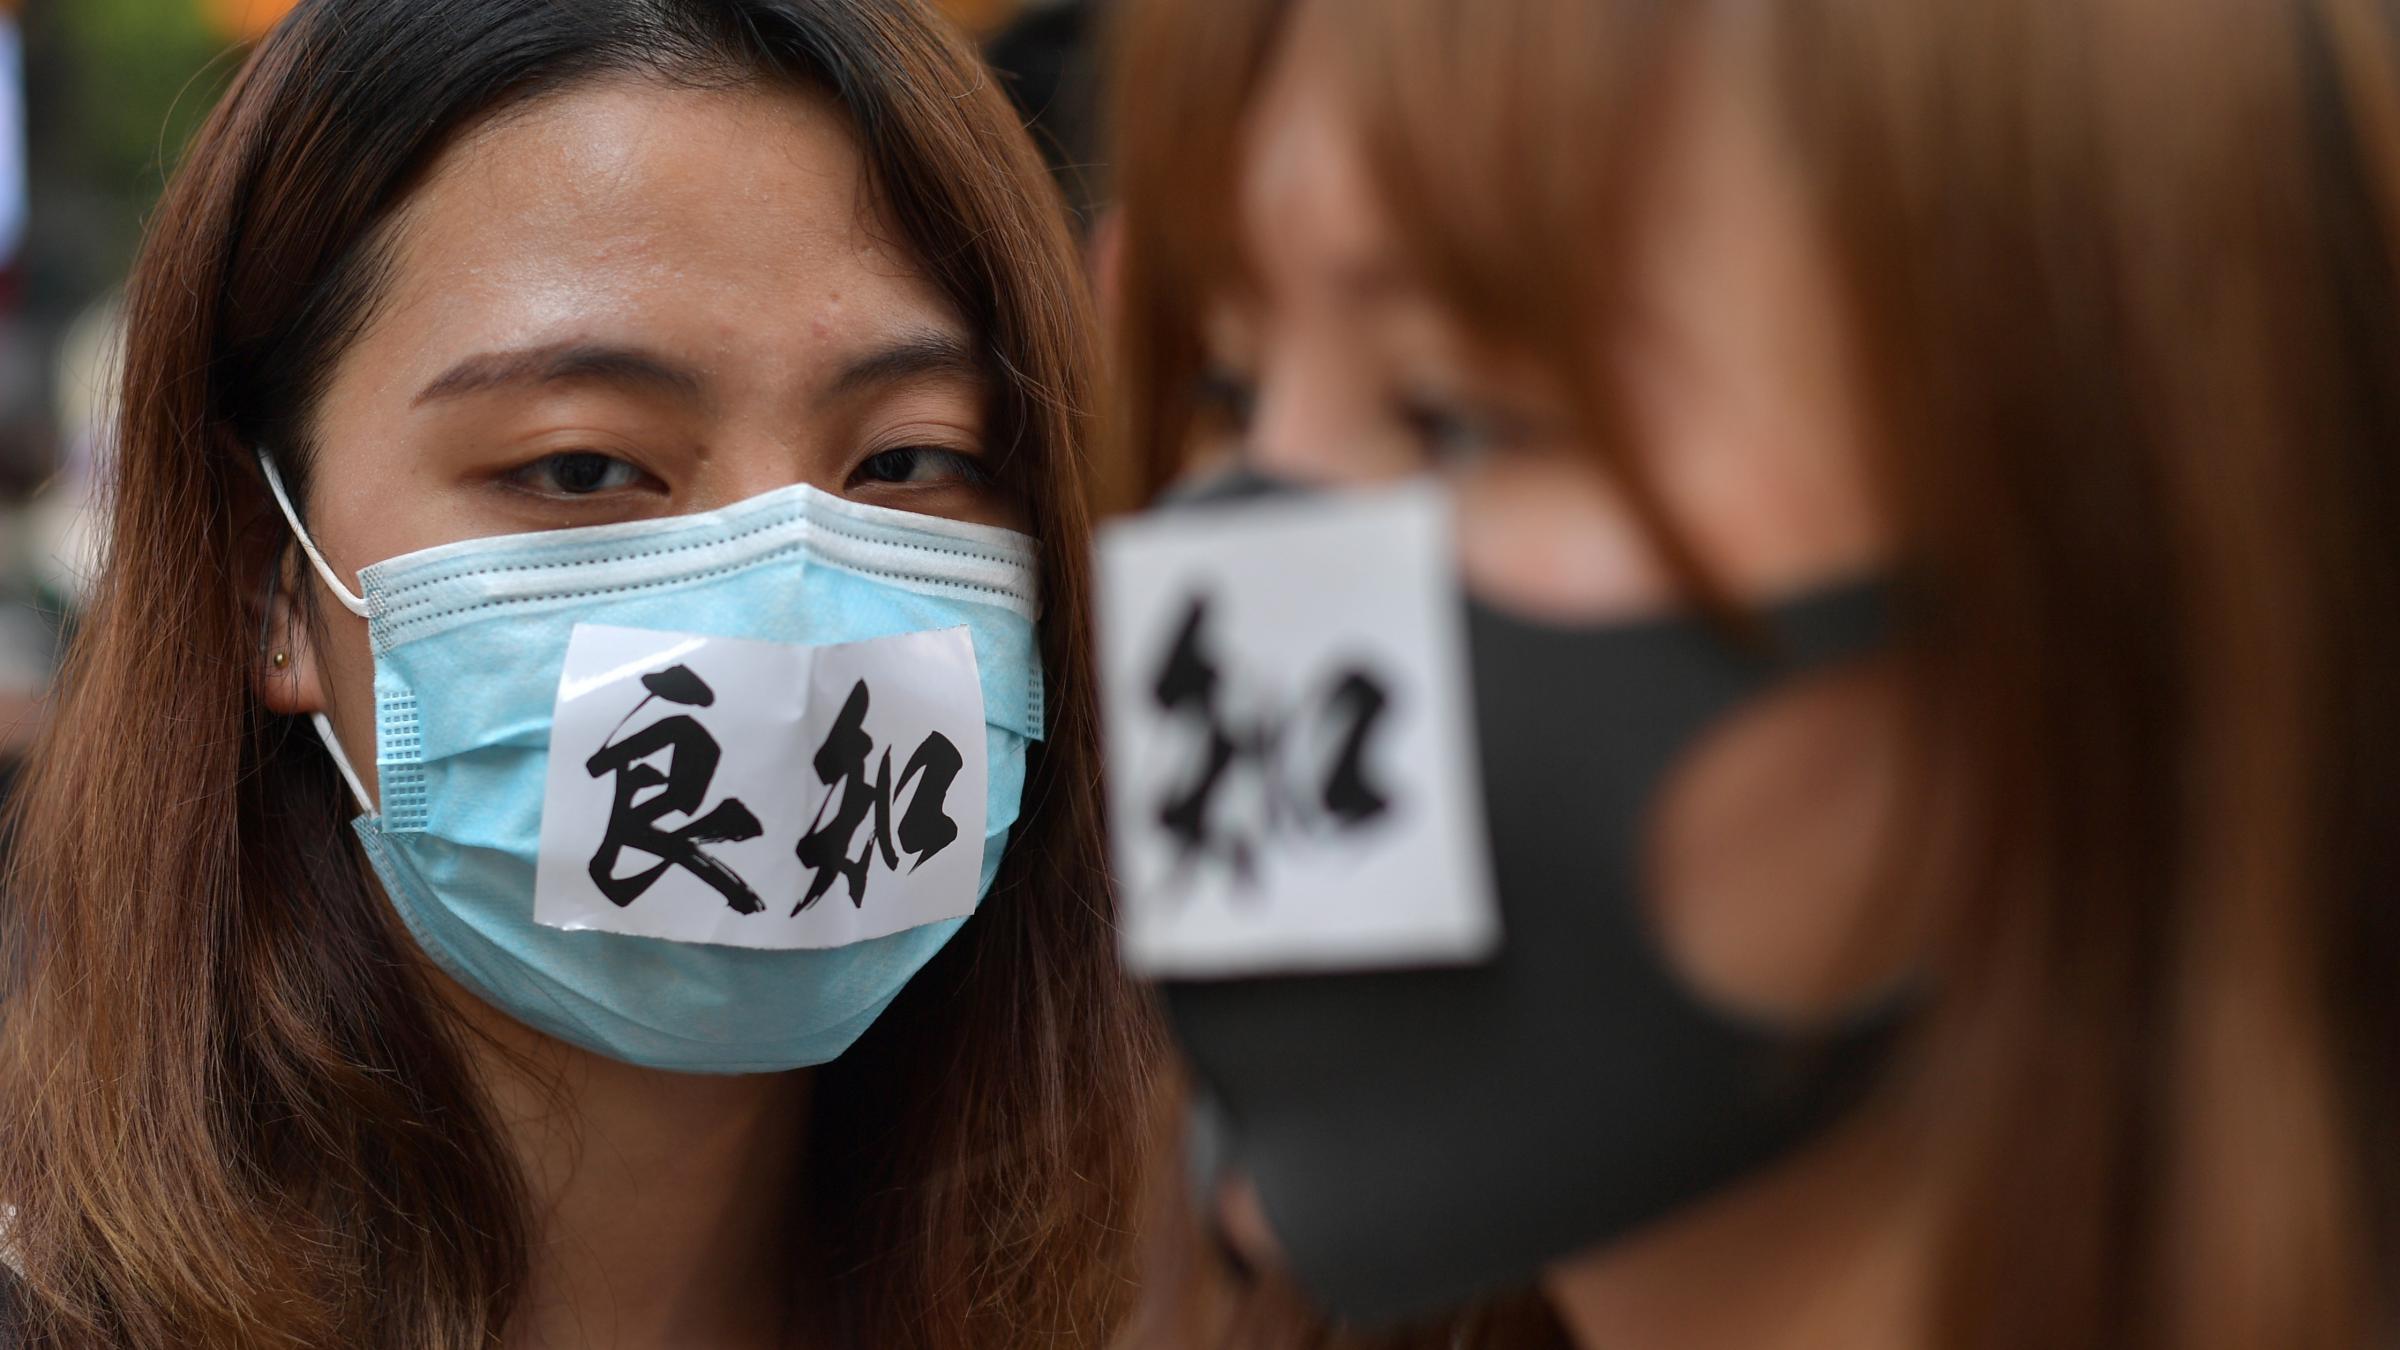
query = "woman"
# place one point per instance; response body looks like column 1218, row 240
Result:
column 2070, row 329
column 470, row 339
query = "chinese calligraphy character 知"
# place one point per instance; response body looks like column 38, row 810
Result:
column 1265, row 754
column 924, row 829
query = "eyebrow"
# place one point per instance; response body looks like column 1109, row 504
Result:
column 923, row 354
column 564, row 363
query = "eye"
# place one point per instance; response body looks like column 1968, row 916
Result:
column 921, row 464
column 576, row 473
column 1449, row 430
column 1225, row 398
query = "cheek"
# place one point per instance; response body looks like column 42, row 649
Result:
column 1546, row 536
column 1771, row 888
column 1773, row 512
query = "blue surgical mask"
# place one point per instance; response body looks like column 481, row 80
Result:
column 471, row 641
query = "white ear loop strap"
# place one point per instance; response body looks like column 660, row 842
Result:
column 351, row 600
column 333, row 747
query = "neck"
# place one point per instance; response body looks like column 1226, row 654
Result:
column 661, row 1204
column 1834, row 1248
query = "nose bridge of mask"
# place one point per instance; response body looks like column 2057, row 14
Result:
column 843, row 573
column 430, row 591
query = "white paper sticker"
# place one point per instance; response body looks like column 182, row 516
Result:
column 762, row 794
column 1292, row 784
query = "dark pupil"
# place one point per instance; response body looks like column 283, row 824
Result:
column 892, row 466
column 1229, row 397
column 581, row 473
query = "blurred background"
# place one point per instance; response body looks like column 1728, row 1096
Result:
column 97, row 98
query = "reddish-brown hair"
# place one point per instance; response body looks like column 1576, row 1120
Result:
column 231, row 1114
column 2123, row 277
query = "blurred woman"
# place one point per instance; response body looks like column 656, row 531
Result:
column 2070, row 328
column 471, row 339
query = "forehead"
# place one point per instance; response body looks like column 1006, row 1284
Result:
column 710, row 217
column 1307, row 206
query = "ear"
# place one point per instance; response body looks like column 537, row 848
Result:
column 286, row 673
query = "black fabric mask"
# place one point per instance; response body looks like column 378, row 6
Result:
column 1421, row 1137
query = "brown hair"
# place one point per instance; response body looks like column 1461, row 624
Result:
column 230, row 1112
column 2123, row 276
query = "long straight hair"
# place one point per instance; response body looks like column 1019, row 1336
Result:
column 2123, row 277
column 231, row 1113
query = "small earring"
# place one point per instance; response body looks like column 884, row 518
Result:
column 280, row 659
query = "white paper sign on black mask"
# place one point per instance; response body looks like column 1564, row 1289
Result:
column 1292, row 788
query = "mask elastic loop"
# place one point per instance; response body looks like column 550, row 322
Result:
column 350, row 599
column 333, row 746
